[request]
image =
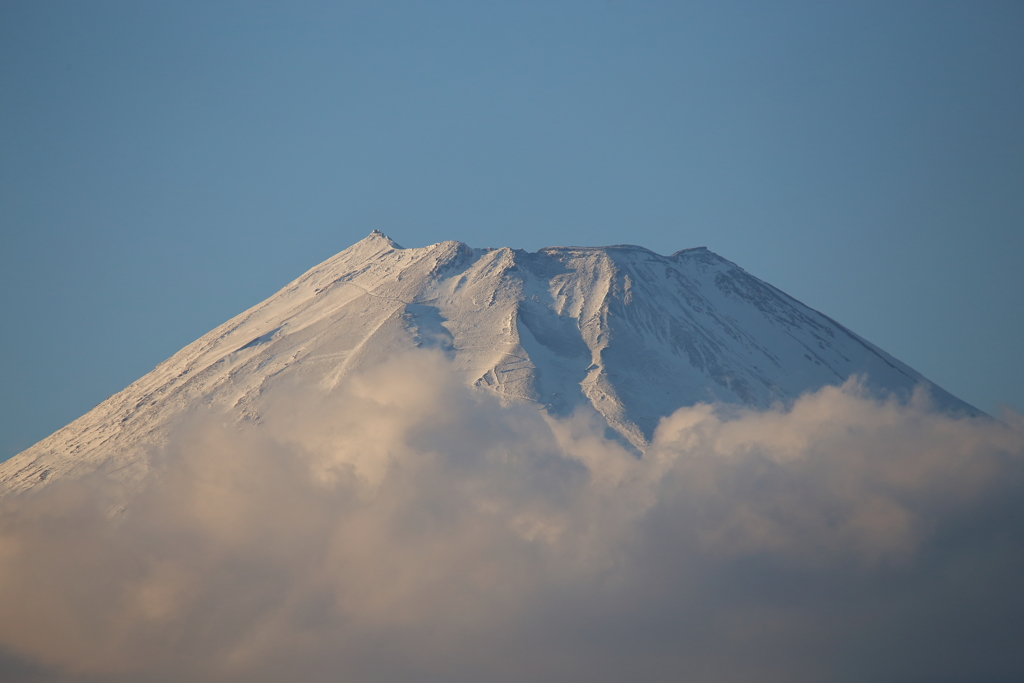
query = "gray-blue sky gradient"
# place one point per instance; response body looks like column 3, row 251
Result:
column 164, row 166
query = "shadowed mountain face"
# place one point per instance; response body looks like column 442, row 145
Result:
column 630, row 333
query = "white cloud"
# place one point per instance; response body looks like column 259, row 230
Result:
column 407, row 528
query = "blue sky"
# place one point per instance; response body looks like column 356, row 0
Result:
column 164, row 166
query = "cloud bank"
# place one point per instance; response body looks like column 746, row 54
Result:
column 406, row 528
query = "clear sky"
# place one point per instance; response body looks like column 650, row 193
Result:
column 164, row 166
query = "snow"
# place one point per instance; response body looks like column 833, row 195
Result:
column 633, row 334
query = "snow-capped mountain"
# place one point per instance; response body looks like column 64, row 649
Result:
column 632, row 333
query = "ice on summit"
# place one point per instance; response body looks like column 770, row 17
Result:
column 632, row 334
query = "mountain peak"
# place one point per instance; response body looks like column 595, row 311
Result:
column 376, row 237
column 620, row 331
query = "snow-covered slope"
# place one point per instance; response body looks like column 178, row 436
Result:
column 632, row 333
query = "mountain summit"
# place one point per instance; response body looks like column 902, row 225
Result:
column 633, row 334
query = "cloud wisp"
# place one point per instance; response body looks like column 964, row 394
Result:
column 406, row 528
